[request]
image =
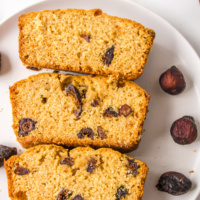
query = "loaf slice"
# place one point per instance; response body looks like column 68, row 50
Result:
column 86, row 41
column 78, row 111
column 50, row 172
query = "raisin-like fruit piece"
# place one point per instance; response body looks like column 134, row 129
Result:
column 78, row 112
column 125, row 110
column 6, row 153
column 25, row 126
column 91, row 165
column 184, row 130
column 95, row 103
column 108, row 56
column 121, row 193
column 86, row 37
column 63, row 195
column 78, row 197
column 172, row 81
column 86, row 131
column 109, row 112
column 132, row 167
column 21, row 170
column 101, row 133
column 174, row 183
column 67, row 161
column 33, row 68
column 97, row 12
column 44, row 100
column 71, row 90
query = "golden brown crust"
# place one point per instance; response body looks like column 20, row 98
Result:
column 136, row 61
column 20, row 109
column 9, row 178
column 134, row 183
column 27, row 143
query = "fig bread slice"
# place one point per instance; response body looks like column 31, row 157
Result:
column 76, row 111
column 50, row 172
column 86, row 41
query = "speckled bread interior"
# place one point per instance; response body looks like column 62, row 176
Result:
column 40, row 173
column 78, row 40
column 42, row 98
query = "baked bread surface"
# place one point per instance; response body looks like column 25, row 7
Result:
column 86, row 41
column 42, row 173
column 112, row 111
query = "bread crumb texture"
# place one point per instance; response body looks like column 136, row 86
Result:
column 87, row 41
column 46, row 177
column 78, row 111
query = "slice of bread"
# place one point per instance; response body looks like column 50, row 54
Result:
column 78, row 111
column 84, row 41
column 50, row 172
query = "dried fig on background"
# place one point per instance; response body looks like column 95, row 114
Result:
column 184, row 130
column 6, row 153
column 172, row 81
column 174, row 183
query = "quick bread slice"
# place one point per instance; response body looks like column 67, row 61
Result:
column 50, row 172
column 86, row 41
column 78, row 111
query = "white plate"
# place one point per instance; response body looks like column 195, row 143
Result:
column 157, row 148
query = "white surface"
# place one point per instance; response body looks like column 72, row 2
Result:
column 157, row 148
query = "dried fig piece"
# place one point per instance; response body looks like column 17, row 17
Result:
column 71, row 90
column 21, row 170
column 121, row 192
column 44, row 100
column 6, row 153
column 97, row 12
column 63, row 195
column 25, row 126
column 78, row 112
column 174, row 183
column 33, row 68
column 184, row 130
column 125, row 110
column 108, row 56
column 109, row 112
column 95, row 103
column 132, row 166
column 91, row 165
column 67, row 161
column 78, row 197
column 101, row 133
column 172, row 81
column 86, row 37
column 86, row 131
